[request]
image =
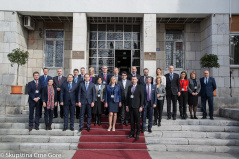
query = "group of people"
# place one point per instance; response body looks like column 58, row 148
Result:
column 128, row 97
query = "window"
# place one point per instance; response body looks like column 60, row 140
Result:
column 54, row 48
column 234, row 49
column 174, row 49
column 106, row 38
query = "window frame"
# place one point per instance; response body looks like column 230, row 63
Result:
column 232, row 34
column 54, row 41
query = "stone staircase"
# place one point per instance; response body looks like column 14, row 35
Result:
column 191, row 135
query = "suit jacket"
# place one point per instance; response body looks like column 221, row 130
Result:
column 56, row 82
column 86, row 97
column 66, row 94
column 43, row 81
column 207, row 89
column 153, row 95
column 81, row 77
column 172, row 87
column 94, row 79
column 124, row 90
column 102, row 92
column 191, row 86
column 138, row 100
column 129, row 77
column 107, row 78
column 79, row 80
column 31, row 88
column 143, row 81
column 117, row 93
column 160, row 90
column 45, row 94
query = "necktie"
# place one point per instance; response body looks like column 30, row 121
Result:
column 171, row 76
column 45, row 77
column 133, row 89
column 148, row 98
column 59, row 79
column 69, row 85
column 75, row 80
column 206, row 80
column 86, row 85
column 105, row 76
column 36, row 84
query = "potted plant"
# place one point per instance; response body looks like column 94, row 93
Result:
column 210, row 61
column 19, row 57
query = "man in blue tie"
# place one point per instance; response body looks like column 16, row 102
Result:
column 77, row 80
column 150, row 101
column 134, row 74
column 86, row 99
column 34, row 89
column 44, row 80
column 208, row 85
column 68, row 101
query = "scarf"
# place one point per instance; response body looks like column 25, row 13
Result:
column 50, row 102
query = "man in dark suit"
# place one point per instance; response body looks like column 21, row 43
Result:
column 208, row 85
column 146, row 74
column 134, row 73
column 77, row 81
column 58, row 81
column 150, row 101
column 34, row 89
column 82, row 73
column 106, row 76
column 116, row 74
column 86, row 99
column 68, row 101
column 124, row 85
column 134, row 105
column 44, row 80
column 173, row 90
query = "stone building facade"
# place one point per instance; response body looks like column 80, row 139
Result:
column 151, row 36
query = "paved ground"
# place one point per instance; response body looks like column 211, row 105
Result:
column 68, row 154
column 191, row 155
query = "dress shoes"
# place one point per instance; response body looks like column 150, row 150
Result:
column 174, row 118
column 204, row 117
column 55, row 116
column 99, row 123
column 126, row 123
column 80, row 130
column 149, row 130
column 143, row 130
column 49, row 127
column 64, row 129
column 195, row 117
column 88, row 129
column 37, row 128
column 211, row 118
column 130, row 136
column 137, row 137
column 169, row 117
column 72, row 129
column 155, row 123
column 30, row 128
column 159, row 124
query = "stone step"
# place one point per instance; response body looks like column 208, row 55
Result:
column 54, row 132
column 192, row 141
column 40, row 139
column 232, row 113
column 193, row 148
column 193, row 134
column 38, row 146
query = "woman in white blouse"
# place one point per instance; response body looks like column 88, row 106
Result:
column 160, row 74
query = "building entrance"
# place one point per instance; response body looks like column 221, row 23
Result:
column 123, row 60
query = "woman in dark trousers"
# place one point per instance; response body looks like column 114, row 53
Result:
column 98, row 109
column 49, row 99
column 194, row 88
column 113, row 101
column 183, row 98
column 160, row 90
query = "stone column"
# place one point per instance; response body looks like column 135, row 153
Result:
column 79, row 41
column 149, row 45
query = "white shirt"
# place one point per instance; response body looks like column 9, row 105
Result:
column 124, row 83
column 206, row 79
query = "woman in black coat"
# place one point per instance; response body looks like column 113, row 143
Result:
column 49, row 99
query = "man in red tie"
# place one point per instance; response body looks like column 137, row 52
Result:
column 58, row 81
